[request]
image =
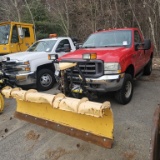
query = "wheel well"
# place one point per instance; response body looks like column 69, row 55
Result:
column 130, row 70
column 46, row 66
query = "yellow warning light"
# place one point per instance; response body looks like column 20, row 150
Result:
column 53, row 35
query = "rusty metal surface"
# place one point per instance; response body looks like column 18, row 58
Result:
column 155, row 139
column 101, row 141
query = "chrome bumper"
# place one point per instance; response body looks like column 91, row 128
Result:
column 105, row 83
column 22, row 79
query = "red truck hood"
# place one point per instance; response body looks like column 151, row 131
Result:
column 107, row 54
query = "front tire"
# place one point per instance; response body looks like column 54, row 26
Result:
column 45, row 79
column 124, row 95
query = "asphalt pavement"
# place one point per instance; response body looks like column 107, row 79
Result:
column 20, row 140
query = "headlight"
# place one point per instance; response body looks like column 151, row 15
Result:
column 111, row 68
column 4, row 58
column 25, row 66
column 53, row 56
column 89, row 56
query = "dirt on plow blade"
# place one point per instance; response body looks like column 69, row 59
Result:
column 81, row 118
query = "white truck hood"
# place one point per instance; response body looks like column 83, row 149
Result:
column 26, row 56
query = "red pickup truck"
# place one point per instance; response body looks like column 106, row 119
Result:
column 108, row 61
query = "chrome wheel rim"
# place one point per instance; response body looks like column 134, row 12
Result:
column 128, row 89
column 46, row 80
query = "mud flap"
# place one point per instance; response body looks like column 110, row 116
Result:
column 81, row 118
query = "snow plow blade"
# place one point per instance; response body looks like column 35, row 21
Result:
column 1, row 103
column 81, row 118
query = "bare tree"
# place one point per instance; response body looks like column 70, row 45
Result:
column 31, row 16
column 61, row 9
column 82, row 17
column 12, row 9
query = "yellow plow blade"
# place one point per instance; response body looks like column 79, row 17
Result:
column 81, row 118
column 1, row 103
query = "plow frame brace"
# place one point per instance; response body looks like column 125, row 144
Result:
column 66, row 89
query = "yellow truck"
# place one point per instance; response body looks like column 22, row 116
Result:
column 15, row 37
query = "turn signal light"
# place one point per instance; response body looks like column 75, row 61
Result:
column 89, row 56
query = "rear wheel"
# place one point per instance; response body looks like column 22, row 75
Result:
column 148, row 68
column 124, row 95
column 45, row 79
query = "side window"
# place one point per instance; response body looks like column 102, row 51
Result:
column 26, row 32
column 137, row 38
column 61, row 45
column 14, row 38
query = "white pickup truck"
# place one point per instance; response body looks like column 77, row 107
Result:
column 33, row 68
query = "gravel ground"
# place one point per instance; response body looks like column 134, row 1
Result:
column 20, row 140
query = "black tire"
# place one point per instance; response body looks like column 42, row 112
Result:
column 45, row 79
column 148, row 68
column 124, row 95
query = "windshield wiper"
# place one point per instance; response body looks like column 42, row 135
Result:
column 89, row 47
column 114, row 46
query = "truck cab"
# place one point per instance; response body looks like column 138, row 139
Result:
column 32, row 68
column 15, row 37
column 108, row 61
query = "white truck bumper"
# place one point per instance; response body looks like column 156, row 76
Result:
column 22, row 79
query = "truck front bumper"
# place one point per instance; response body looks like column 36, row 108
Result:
column 105, row 83
column 22, row 79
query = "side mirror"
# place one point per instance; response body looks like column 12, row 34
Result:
column 147, row 44
column 20, row 32
column 58, row 50
column 143, row 46
column 136, row 46
column 78, row 46
column 66, row 48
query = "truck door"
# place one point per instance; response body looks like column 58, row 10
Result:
column 60, row 50
column 139, row 57
column 28, row 39
column 14, row 40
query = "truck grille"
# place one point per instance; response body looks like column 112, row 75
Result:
column 90, row 69
column 10, row 66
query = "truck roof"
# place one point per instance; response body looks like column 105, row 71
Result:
column 113, row 29
column 12, row 22
column 56, row 38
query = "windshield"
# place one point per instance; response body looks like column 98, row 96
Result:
column 109, row 39
column 4, row 34
column 42, row 46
